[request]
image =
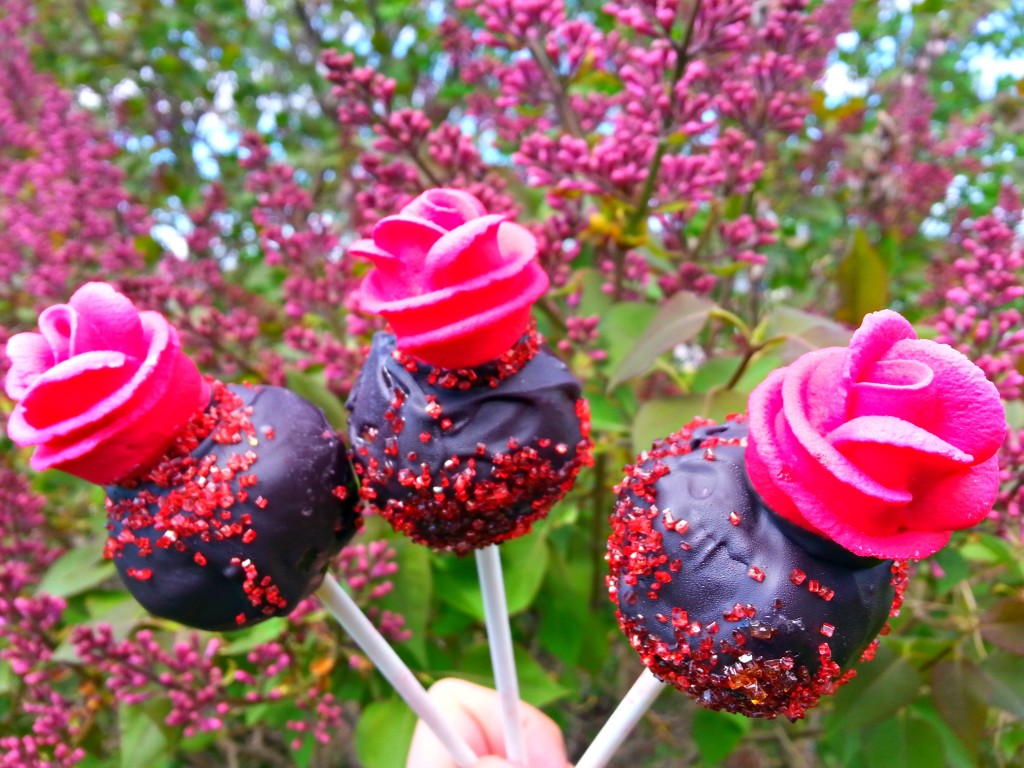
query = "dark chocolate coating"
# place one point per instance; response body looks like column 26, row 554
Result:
column 298, row 530
column 438, row 433
column 714, row 575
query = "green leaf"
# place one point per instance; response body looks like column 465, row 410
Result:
column 1015, row 414
column 523, row 562
column 244, row 640
column 412, row 594
column 384, row 733
column 863, row 281
column 719, row 370
column 954, row 568
column 660, row 418
column 537, row 686
column 311, row 386
column 803, row 331
column 988, row 549
column 905, row 740
column 594, row 301
column 953, row 693
column 717, row 734
column 880, row 689
column 957, row 755
column 77, row 570
column 566, row 599
column 677, row 321
column 1003, row 625
column 145, row 740
column 606, row 413
column 621, row 325
column 1001, row 683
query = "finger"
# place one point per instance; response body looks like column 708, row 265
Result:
column 473, row 712
column 545, row 746
column 427, row 751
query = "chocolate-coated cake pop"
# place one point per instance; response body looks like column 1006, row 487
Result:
column 459, row 460
column 240, row 519
column 726, row 600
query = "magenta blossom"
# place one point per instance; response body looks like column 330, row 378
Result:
column 103, row 389
column 455, row 283
column 885, row 447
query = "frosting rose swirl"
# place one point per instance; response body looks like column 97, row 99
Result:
column 102, row 389
column 885, row 447
column 455, row 283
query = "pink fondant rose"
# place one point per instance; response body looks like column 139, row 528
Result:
column 455, row 283
column 885, row 447
column 103, row 389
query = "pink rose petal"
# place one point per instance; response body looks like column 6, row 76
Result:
column 448, row 208
column 30, row 357
column 70, row 395
column 464, row 254
column 104, row 319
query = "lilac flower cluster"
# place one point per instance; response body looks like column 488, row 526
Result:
column 982, row 287
column 65, row 215
column 637, row 135
column 367, row 568
column 46, row 723
column 138, row 668
column 407, row 153
column 980, row 297
column 894, row 174
column 320, row 283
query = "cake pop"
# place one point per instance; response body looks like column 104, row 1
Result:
column 225, row 503
column 754, row 570
column 465, row 430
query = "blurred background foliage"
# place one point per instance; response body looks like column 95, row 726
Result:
column 245, row 161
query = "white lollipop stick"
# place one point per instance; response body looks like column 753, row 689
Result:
column 354, row 621
column 625, row 717
column 499, row 638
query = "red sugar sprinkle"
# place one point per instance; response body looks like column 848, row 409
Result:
column 755, row 573
column 488, row 375
column 827, row 630
column 734, row 518
column 797, row 576
column 433, row 407
column 195, row 501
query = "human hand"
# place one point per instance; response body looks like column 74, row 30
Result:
column 475, row 713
